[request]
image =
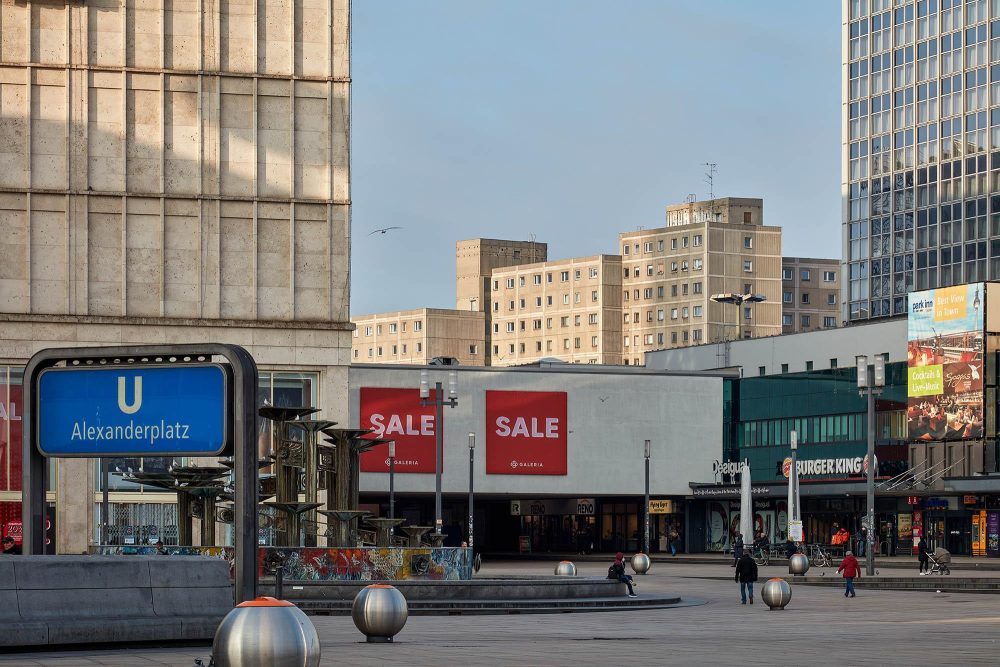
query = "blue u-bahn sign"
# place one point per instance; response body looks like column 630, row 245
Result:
column 178, row 410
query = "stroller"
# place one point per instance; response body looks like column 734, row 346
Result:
column 940, row 561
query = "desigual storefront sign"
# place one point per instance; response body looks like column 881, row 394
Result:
column 526, row 433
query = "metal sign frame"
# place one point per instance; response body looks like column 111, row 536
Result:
column 242, row 437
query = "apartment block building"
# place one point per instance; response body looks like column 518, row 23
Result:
column 810, row 294
column 418, row 336
column 567, row 309
column 475, row 260
column 706, row 248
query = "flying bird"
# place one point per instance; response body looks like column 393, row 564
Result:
column 384, row 230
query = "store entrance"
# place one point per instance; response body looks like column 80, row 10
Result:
column 620, row 527
column 958, row 539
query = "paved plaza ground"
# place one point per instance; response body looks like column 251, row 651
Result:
column 820, row 627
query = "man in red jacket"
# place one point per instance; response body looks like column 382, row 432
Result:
column 849, row 566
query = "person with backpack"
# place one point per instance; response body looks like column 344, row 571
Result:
column 617, row 572
column 737, row 549
column 675, row 539
column 851, row 569
column 746, row 574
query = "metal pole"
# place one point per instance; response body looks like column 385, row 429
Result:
column 645, row 536
column 392, row 486
column 869, row 551
column 105, row 503
column 438, row 453
column 472, row 458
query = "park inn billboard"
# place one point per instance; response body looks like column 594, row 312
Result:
column 945, row 336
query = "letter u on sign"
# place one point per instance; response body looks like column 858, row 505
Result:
column 125, row 406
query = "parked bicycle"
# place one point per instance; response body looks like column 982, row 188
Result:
column 761, row 556
column 819, row 557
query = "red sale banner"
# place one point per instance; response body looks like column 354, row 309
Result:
column 10, row 437
column 526, row 432
column 396, row 414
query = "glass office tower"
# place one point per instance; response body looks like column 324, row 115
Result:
column 921, row 149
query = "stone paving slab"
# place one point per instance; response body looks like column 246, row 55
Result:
column 820, row 627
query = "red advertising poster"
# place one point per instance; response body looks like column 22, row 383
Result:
column 526, row 432
column 396, row 414
column 10, row 437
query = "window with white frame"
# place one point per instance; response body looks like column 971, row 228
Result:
column 748, row 265
column 392, row 327
column 593, row 318
column 697, row 265
column 647, row 246
column 418, row 325
column 660, row 315
column 696, row 311
column 673, row 313
column 563, row 276
column 593, row 272
column 510, row 327
column 829, row 276
column 510, row 283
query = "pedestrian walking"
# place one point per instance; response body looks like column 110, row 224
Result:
column 10, row 547
column 746, row 574
column 862, row 541
column 737, row 548
column 674, row 539
column 617, row 571
column 849, row 566
column 922, row 558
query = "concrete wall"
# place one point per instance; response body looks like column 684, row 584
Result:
column 175, row 160
column 610, row 411
column 793, row 349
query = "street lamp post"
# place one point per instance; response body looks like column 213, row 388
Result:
column 645, row 534
column 392, row 476
column 872, row 387
column 739, row 300
column 472, row 458
column 439, row 401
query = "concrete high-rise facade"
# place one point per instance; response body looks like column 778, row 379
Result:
column 475, row 259
column 175, row 172
column 810, row 294
column 564, row 309
column 418, row 336
column 670, row 273
column 921, row 131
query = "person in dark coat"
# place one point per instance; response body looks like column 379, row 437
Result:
column 746, row 574
column 922, row 558
column 10, row 547
column 790, row 548
column 737, row 548
column 617, row 571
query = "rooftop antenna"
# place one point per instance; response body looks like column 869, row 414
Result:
column 691, row 198
column 710, row 178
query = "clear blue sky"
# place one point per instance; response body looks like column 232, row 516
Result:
column 574, row 119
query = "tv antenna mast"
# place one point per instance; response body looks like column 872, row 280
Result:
column 710, row 178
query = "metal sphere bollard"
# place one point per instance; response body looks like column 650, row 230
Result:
column 640, row 563
column 379, row 612
column 565, row 568
column 266, row 633
column 776, row 593
column 798, row 564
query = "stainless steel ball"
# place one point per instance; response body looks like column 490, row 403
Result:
column 640, row 563
column 379, row 612
column 266, row 633
column 776, row 593
column 565, row 568
column 798, row 564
